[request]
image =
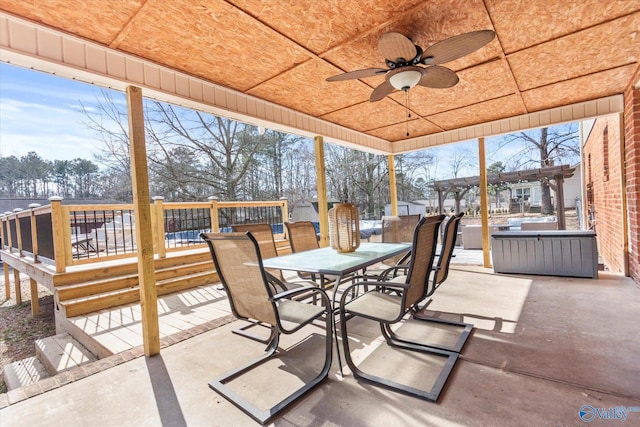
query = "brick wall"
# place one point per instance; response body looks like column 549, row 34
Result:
column 632, row 155
column 602, row 172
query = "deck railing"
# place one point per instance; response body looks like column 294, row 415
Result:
column 68, row 235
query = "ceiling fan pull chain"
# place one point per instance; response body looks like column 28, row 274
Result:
column 408, row 110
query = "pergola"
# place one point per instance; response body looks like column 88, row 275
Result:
column 459, row 186
column 265, row 63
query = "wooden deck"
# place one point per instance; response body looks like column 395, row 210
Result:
column 114, row 330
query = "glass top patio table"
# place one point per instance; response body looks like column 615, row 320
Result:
column 327, row 261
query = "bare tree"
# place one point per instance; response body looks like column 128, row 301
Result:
column 108, row 119
column 191, row 154
column 543, row 147
column 355, row 176
column 461, row 159
column 299, row 172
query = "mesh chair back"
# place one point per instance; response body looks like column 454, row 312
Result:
column 239, row 266
column 399, row 228
column 396, row 229
column 425, row 239
column 264, row 236
column 448, row 243
column 302, row 236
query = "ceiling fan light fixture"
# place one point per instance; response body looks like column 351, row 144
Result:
column 405, row 80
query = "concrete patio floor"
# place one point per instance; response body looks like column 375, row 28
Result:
column 542, row 349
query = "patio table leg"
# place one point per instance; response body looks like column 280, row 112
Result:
column 336, row 283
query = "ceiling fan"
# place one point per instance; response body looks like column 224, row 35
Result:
column 405, row 62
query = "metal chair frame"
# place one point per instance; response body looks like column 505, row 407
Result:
column 404, row 297
column 272, row 320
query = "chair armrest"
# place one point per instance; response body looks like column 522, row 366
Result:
column 275, row 282
column 383, row 276
column 291, row 292
column 378, row 284
column 391, row 285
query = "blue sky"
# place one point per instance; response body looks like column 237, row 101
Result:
column 41, row 112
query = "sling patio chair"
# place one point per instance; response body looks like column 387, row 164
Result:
column 389, row 303
column 441, row 268
column 439, row 275
column 302, row 237
column 239, row 265
column 395, row 229
column 263, row 234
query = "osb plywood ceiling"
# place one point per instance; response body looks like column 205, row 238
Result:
column 546, row 54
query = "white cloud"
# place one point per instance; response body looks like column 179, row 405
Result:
column 53, row 132
column 43, row 113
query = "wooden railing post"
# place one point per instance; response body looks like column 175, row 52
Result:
column 6, row 240
column 18, row 232
column 284, row 210
column 215, row 228
column 2, row 225
column 58, row 226
column 7, row 288
column 16, row 285
column 16, row 272
column 34, row 232
column 7, row 282
column 35, row 302
column 157, row 223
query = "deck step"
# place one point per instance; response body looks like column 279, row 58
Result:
column 87, row 289
column 80, row 306
column 23, row 373
column 61, row 352
column 129, row 266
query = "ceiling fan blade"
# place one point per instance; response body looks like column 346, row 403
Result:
column 381, row 91
column 357, row 74
column 456, row 47
column 438, row 77
column 394, row 45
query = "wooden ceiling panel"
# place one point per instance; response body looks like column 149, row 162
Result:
column 527, row 23
column 80, row 17
column 578, row 90
column 508, row 106
column 546, row 53
column 605, row 46
column 326, row 23
column 477, row 84
column 369, row 115
column 305, row 89
column 215, row 41
column 398, row 132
